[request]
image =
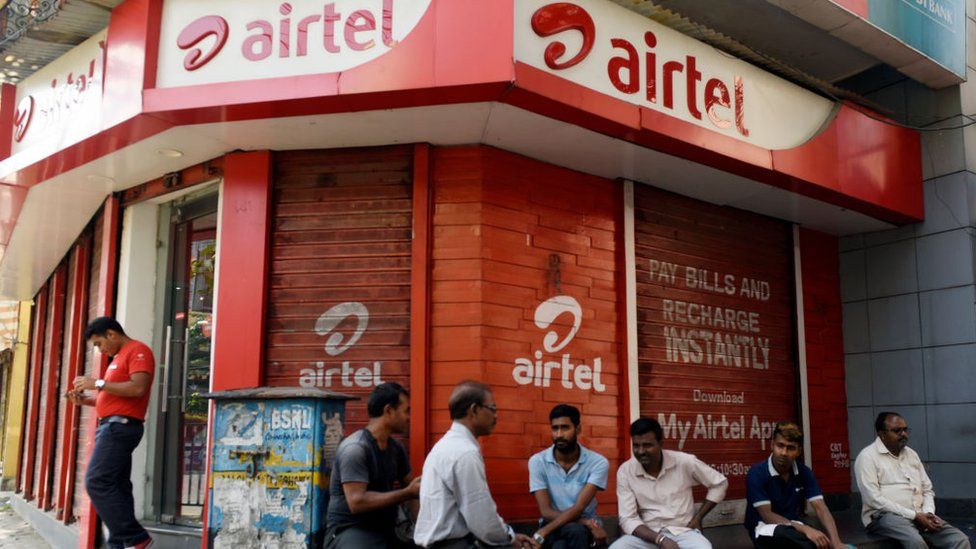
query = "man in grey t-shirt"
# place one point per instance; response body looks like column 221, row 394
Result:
column 371, row 476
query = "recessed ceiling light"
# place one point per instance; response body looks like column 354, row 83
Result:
column 15, row 64
column 12, row 73
column 9, row 58
column 35, row 67
column 100, row 179
column 169, row 153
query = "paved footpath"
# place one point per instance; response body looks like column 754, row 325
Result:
column 14, row 531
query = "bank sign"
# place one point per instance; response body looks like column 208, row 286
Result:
column 935, row 28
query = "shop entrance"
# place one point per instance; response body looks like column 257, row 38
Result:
column 188, row 331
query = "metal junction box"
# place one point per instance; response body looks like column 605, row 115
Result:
column 273, row 449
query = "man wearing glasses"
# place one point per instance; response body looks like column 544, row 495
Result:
column 897, row 496
column 456, row 507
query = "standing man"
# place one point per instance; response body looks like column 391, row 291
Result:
column 456, row 507
column 371, row 476
column 565, row 478
column 776, row 489
column 654, row 498
column 120, row 402
column 897, row 497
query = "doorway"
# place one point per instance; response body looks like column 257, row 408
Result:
column 188, row 332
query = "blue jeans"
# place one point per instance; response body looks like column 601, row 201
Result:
column 108, row 482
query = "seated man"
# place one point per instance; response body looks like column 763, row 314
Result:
column 896, row 493
column 371, row 476
column 776, row 489
column 654, row 498
column 565, row 478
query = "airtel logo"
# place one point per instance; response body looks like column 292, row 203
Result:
column 23, row 117
column 561, row 17
column 331, row 36
column 540, row 372
column 335, row 344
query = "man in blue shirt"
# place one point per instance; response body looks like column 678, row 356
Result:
column 776, row 490
column 565, row 478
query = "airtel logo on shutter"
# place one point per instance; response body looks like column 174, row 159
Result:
column 541, row 372
column 336, row 344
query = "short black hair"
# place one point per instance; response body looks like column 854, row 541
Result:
column 466, row 394
column 646, row 425
column 383, row 394
column 101, row 325
column 879, row 422
column 789, row 431
column 565, row 410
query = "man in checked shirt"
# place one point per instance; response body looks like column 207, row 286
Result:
column 654, row 496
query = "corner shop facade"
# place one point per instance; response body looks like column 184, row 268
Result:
column 566, row 201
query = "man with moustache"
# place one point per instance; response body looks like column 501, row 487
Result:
column 565, row 478
column 654, row 498
column 897, row 497
column 456, row 507
column 371, row 476
column 776, row 489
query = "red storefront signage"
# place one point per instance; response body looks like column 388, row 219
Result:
column 226, row 41
column 715, row 328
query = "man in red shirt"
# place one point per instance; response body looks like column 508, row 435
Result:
column 120, row 402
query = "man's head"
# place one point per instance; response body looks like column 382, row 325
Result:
column 787, row 443
column 473, row 404
column 892, row 430
column 106, row 334
column 564, row 421
column 391, row 402
column 646, row 436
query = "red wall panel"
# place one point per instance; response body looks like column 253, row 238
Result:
column 831, row 459
column 510, row 234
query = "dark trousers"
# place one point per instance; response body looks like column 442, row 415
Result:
column 569, row 536
column 785, row 537
column 355, row 537
column 109, row 485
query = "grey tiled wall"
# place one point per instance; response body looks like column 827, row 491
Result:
column 909, row 295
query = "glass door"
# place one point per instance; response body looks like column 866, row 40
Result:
column 193, row 239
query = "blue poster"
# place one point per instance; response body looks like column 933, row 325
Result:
column 936, row 28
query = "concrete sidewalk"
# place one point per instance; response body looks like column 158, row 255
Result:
column 15, row 532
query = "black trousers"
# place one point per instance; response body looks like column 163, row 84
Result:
column 569, row 536
column 785, row 537
column 108, row 482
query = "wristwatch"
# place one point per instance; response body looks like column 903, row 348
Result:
column 539, row 538
column 99, row 384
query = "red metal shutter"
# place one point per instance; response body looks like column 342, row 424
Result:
column 63, row 384
column 715, row 328
column 42, row 419
column 339, row 295
column 80, row 497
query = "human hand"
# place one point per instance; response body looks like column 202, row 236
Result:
column 668, row 543
column 926, row 522
column 413, row 489
column 596, row 530
column 936, row 520
column 522, row 541
column 695, row 524
column 75, row 397
column 83, row 383
column 816, row 536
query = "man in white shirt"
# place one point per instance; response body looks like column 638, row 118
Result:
column 896, row 493
column 456, row 507
column 654, row 498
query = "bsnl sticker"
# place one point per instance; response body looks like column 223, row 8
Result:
column 335, row 345
column 545, row 370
